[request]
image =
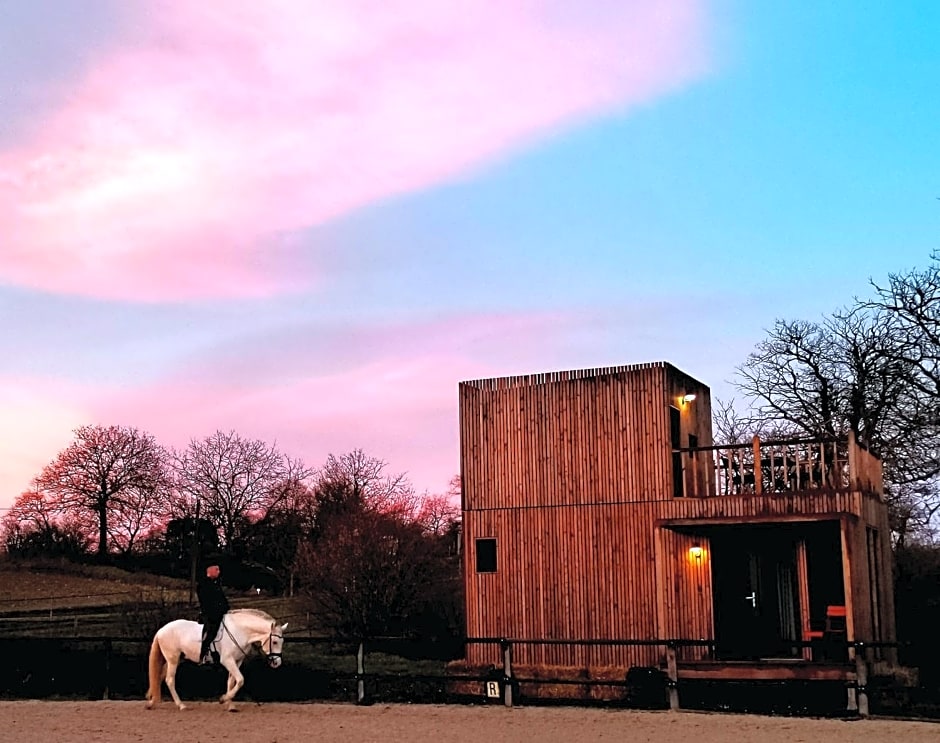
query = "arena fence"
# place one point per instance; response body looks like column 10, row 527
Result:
column 845, row 663
column 397, row 669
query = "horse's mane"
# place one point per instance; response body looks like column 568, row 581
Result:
column 254, row 612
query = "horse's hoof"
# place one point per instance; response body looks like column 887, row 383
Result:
column 183, row 708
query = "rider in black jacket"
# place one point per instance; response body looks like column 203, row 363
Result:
column 213, row 605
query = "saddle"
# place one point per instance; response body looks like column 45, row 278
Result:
column 212, row 655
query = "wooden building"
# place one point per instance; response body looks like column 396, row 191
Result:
column 596, row 507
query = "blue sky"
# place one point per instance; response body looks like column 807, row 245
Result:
column 604, row 186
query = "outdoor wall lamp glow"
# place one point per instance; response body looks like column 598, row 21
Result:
column 696, row 551
column 688, row 398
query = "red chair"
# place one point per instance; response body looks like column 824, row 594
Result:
column 836, row 620
column 835, row 624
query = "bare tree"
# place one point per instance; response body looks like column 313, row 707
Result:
column 274, row 539
column 379, row 559
column 372, row 573
column 731, row 425
column 792, row 379
column 104, row 470
column 365, row 480
column 852, row 372
column 438, row 514
column 230, row 480
column 912, row 301
column 136, row 516
column 33, row 510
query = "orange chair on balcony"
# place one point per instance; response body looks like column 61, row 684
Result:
column 836, row 623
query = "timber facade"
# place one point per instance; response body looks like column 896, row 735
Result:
column 597, row 507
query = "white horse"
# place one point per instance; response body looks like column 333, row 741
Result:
column 181, row 639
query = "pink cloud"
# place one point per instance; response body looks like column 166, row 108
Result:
column 397, row 401
column 178, row 165
column 395, row 397
column 402, row 412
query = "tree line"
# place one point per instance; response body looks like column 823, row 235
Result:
column 377, row 557
column 871, row 367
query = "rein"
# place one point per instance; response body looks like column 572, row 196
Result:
column 244, row 652
column 235, row 642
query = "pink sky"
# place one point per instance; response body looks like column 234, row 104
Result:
column 217, row 128
column 308, row 221
column 394, row 403
column 184, row 162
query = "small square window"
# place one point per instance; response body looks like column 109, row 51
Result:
column 486, row 555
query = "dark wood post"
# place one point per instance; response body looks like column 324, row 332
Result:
column 107, row 667
column 758, row 475
column 507, row 672
column 360, row 673
column 672, row 672
column 861, row 679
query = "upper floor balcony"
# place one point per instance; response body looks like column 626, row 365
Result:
column 777, row 466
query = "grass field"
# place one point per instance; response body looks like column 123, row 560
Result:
column 62, row 599
column 42, row 585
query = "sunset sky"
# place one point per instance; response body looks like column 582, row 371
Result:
column 308, row 220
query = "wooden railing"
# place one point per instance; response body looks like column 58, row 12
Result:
column 788, row 465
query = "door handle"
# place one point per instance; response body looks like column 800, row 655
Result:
column 753, row 599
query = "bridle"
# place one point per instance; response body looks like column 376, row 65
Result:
column 270, row 643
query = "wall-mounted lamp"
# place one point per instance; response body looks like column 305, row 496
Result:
column 696, row 551
column 688, row 398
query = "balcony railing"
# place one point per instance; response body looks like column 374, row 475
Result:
column 781, row 466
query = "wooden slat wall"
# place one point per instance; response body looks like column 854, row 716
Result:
column 549, row 586
column 571, row 472
column 565, row 572
column 687, row 590
column 594, row 436
column 578, row 572
column 751, row 508
column 874, row 515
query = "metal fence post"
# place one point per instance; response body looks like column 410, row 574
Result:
column 507, row 672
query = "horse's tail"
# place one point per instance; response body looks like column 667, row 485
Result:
column 155, row 666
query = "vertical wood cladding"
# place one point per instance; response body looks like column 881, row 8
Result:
column 572, row 474
column 564, row 470
column 575, row 438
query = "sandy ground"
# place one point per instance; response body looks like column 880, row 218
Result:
column 206, row 722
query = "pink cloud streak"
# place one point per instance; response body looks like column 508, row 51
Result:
column 396, row 402
column 178, row 165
